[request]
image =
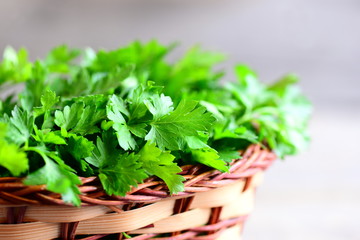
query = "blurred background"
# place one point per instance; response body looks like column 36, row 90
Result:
column 313, row 196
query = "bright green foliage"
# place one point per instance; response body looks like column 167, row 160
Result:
column 118, row 171
column 192, row 73
column 280, row 112
column 60, row 59
column 48, row 100
column 15, row 66
column 115, row 110
column 159, row 106
column 160, row 163
column 195, row 142
column 127, row 114
column 81, row 117
column 105, row 149
column 126, row 235
column 20, row 126
column 35, row 87
column 227, row 155
column 118, row 174
column 57, row 176
column 47, row 136
column 209, row 157
column 80, row 147
column 139, row 100
column 70, row 116
column 9, row 152
column 169, row 131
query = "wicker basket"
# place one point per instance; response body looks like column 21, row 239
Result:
column 213, row 206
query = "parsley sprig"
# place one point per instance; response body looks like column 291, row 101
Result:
column 128, row 114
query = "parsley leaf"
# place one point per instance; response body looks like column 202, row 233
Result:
column 130, row 113
column 160, row 163
column 117, row 171
column 57, row 176
column 20, row 126
column 81, row 117
column 9, row 152
column 48, row 100
column 115, row 110
column 169, row 131
column 159, row 105
column 80, row 148
column 209, row 157
column 118, row 174
column 227, row 155
column 47, row 136
column 15, row 66
column 34, row 87
column 69, row 117
column 105, row 149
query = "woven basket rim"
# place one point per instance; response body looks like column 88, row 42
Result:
column 199, row 178
column 214, row 201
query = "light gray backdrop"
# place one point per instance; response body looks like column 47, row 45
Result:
column 313, row 196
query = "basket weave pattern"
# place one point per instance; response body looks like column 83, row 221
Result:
column 214, row 205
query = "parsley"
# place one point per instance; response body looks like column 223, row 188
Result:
column 115, row 110
column 9, row 152
column 128, row 114
column 160, row 163
column 169, row 131
column 56, row 175
column 209, row 157
column 120, row 173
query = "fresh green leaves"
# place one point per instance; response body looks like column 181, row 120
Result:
column 118, row 174
column 48, row 100
column 209, row 157
column 160, row 163
column 115, row 110
column 56, row 175
column 159, row 106
column 47, row 136
column 19, row 127
column 169, row 131
column 105, row 149
column 15, row 66
column 128, row 114
column 81, row 117
column 13, row 158
column 276, row 115
column 69, row 117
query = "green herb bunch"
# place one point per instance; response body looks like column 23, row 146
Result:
column 129, row 114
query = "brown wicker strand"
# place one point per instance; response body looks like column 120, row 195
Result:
column 213, row 204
